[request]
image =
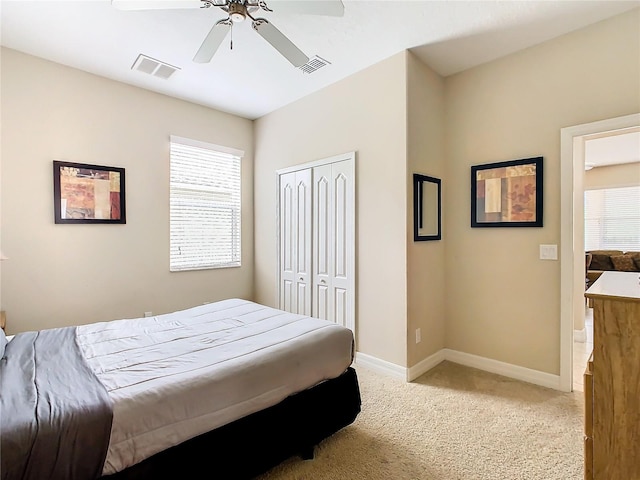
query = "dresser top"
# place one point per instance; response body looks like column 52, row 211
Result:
column 616, row 285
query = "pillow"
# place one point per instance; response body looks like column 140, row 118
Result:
column 600, row 261
column 624, row 263
column 636, row 258
column 3, row 342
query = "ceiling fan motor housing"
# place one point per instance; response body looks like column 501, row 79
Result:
column 237, row 12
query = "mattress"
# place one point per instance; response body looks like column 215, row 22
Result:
column 175, row 376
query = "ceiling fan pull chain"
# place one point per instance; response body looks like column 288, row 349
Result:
column 231, row 42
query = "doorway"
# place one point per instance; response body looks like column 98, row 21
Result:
column 572, row 162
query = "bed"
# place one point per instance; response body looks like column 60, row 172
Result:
column 232, row 387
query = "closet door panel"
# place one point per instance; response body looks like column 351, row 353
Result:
column 340, row 225
column 322, row 226
column 321, row 302
column 288, row 253
column 303, row 252
column 287, row 242
column 342, row 180
column 287, row 296
column 295, row 242
column 341, row 305
column 304, row 299
column 322, row 242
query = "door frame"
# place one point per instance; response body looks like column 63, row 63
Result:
column 316, row 163
column 572, row 142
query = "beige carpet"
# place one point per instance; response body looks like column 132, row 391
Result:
column 452, row 423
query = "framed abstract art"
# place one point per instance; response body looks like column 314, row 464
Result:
column 86, row 193
column 507, row 194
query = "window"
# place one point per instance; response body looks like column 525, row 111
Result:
column 612, row 219
column 204, row 204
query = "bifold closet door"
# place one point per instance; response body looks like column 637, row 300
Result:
column 317, row 240
column 333, row 242
column 295, row 241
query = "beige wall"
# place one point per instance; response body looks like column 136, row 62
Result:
column 425, row 260
column 365, row 113
column 498, row 301
column 624, row 175
column 69, row 274
column 502, row 302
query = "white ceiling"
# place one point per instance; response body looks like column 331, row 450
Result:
column 253, row 79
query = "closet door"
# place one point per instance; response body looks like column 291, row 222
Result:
column 317, row 239
column 295, row 241
column 333, row 242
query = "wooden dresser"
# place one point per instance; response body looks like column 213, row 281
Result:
column 612, row 380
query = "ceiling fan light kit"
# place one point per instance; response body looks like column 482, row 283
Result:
column 237, row 12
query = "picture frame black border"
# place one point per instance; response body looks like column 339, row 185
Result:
column 417, row 220
column 538, row 162
column 57, row 164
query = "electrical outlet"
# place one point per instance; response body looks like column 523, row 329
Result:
column 148, row 314
column 418, row 335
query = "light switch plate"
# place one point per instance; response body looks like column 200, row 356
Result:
column 548, row 252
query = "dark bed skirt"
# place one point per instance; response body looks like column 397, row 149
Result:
column 254, row 444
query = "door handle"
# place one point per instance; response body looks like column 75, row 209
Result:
column 323, row 281
column 301, row 279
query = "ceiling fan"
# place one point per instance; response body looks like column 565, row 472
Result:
column 237, row 12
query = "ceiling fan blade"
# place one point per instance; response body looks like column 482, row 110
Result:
column 281, row 43
column 332, row 8
column 155, row 4
column 212, row 41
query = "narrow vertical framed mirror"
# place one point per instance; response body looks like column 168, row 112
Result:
column 427, row 208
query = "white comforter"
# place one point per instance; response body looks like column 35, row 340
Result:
column 176, row 376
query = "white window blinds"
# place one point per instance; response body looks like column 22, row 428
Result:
column 204, row 203
column 612, row 219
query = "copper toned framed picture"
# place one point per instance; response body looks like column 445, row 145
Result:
column 507, row 194
column 84, row 193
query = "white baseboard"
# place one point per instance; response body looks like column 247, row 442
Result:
column 505, row 369
column 381, row 366
column 425, row 365
column 580, row 335
column 482, row 363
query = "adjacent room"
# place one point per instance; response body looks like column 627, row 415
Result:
column 611, row 222
column 321, row 239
